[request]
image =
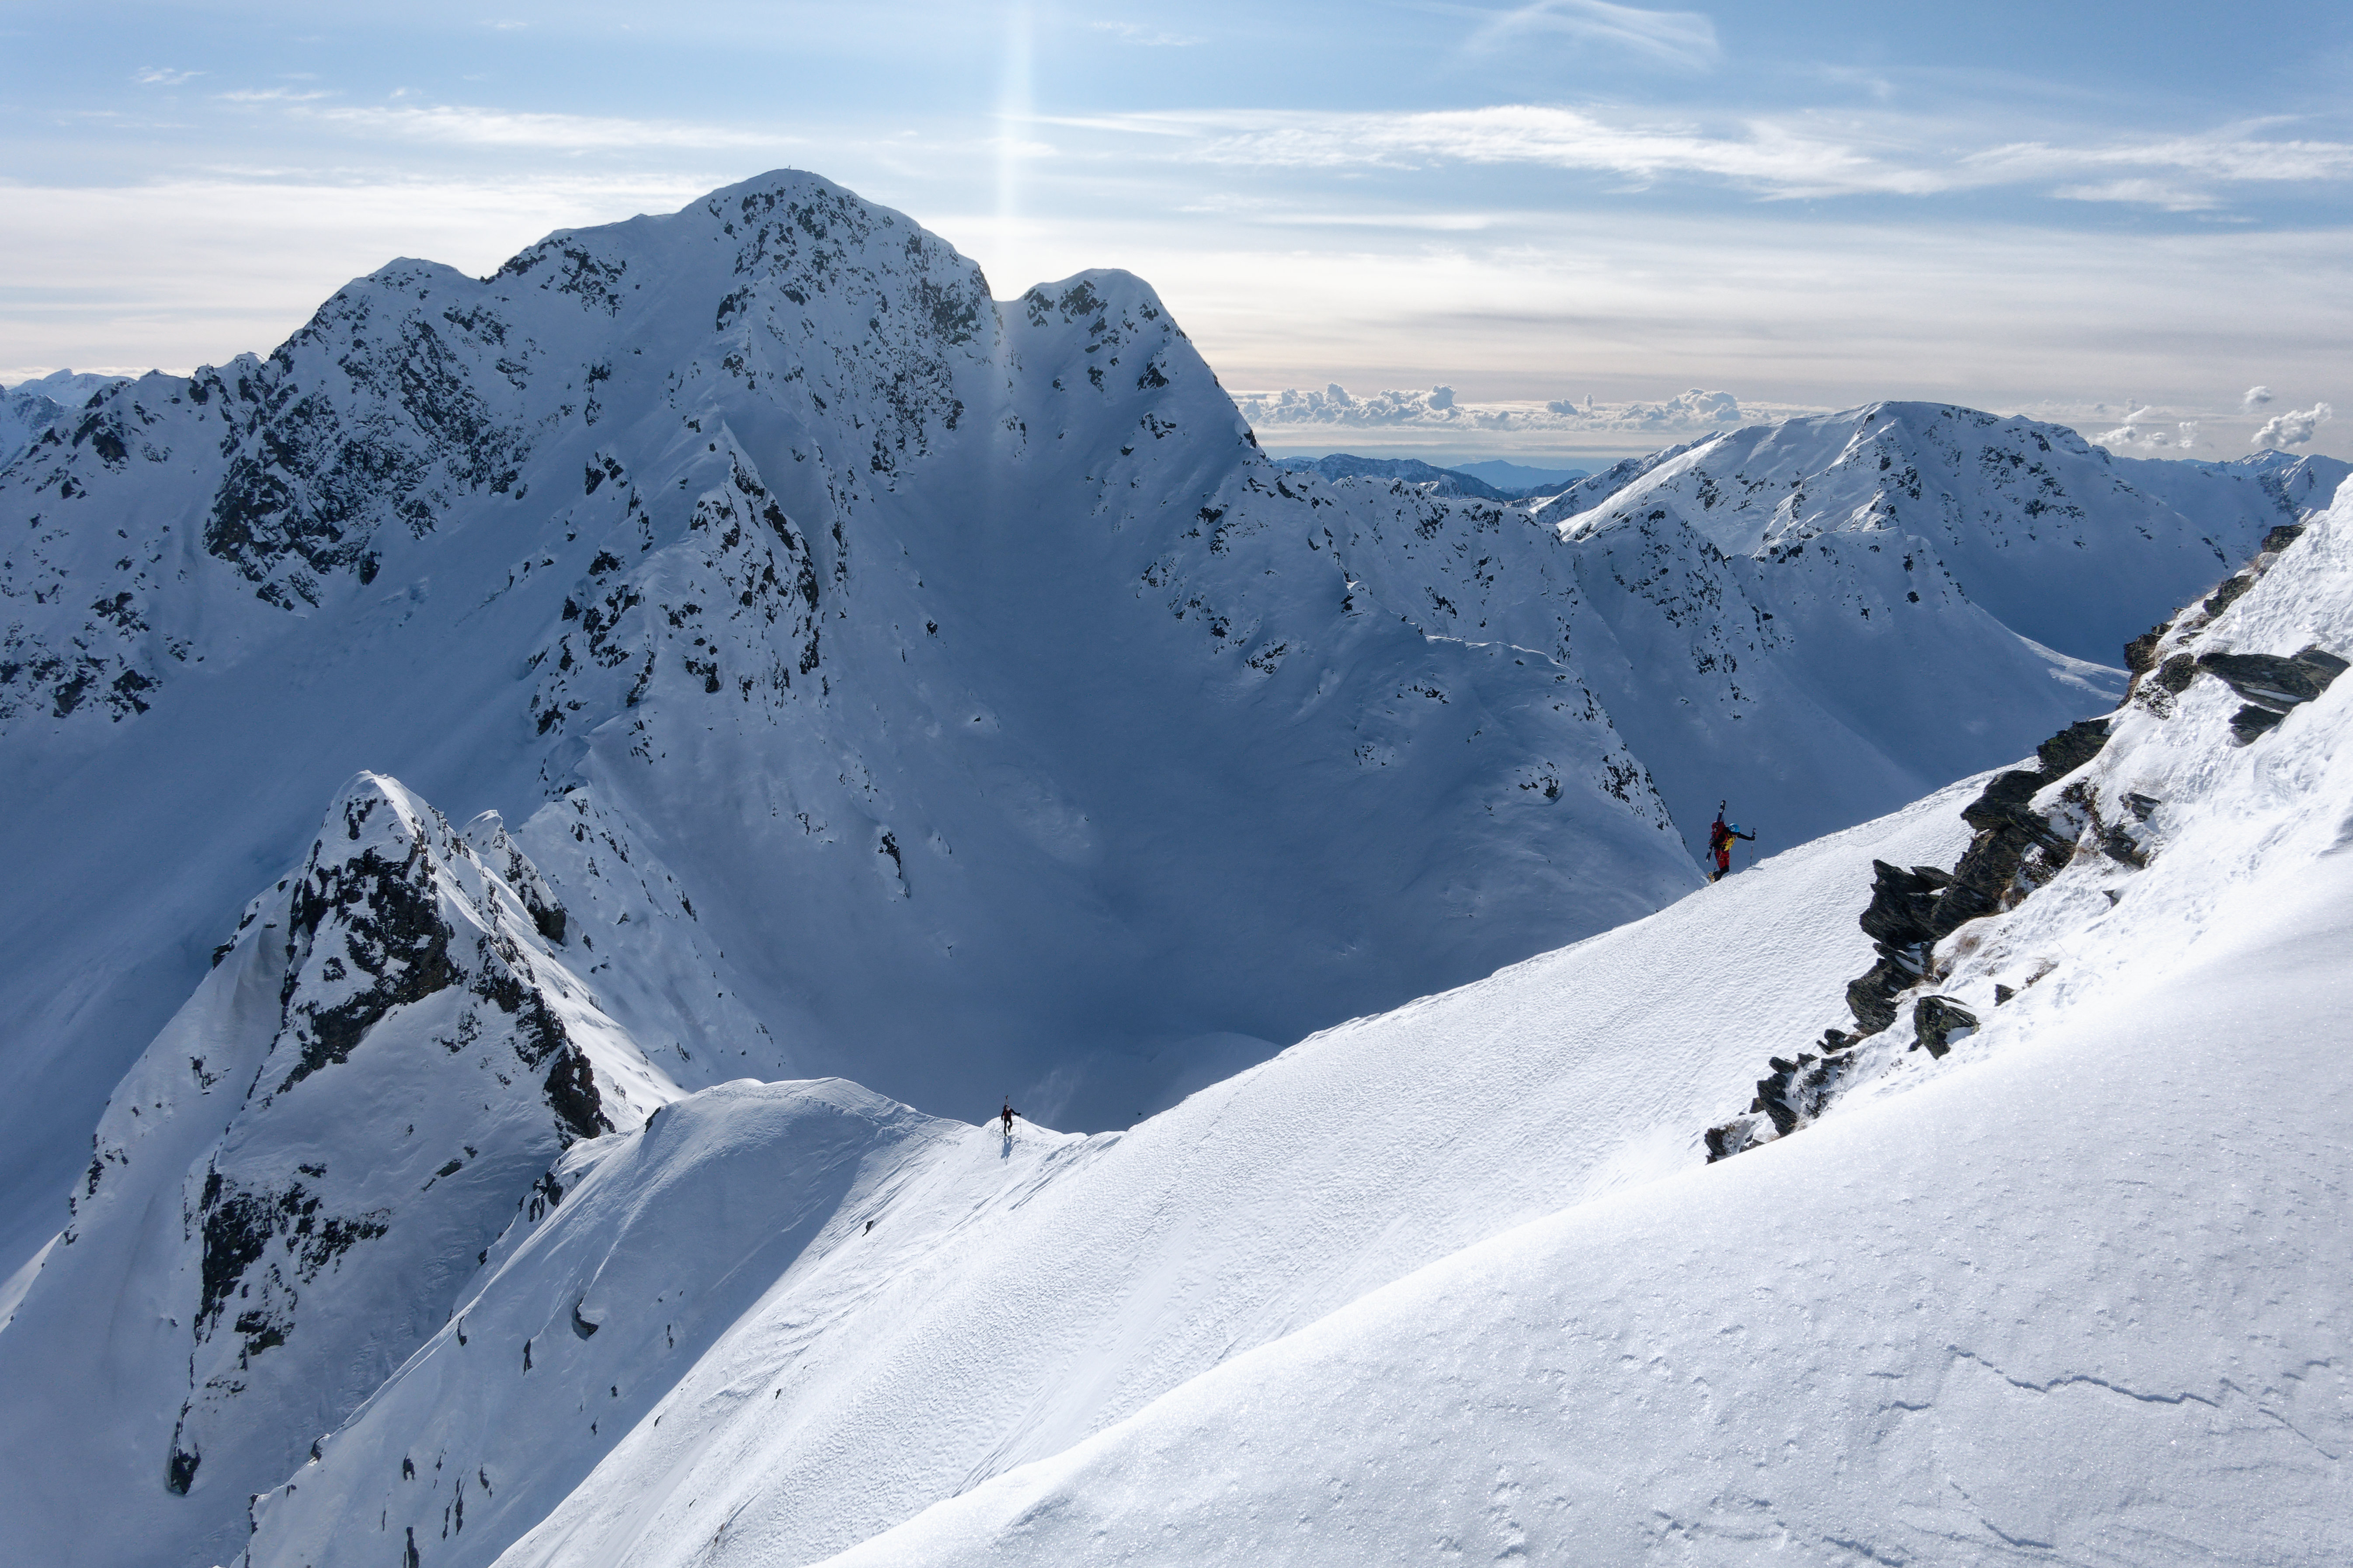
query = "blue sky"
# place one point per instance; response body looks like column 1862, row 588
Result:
column 2121, row 216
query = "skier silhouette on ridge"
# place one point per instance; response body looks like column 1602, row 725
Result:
column 1720, row 834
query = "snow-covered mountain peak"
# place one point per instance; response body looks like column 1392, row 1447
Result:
column 301, row 1169
column 30, row 407
column 2007, row 512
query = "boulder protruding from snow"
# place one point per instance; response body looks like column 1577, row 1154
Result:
column 2271, row 684
column 1937, row 1022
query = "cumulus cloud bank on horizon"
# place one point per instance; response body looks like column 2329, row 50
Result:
column 1438, row 411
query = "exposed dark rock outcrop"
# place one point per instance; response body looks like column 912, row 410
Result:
column 1937, row 1021
column 2016, row 849
column 2271, row 685
column 2071, row 747
column 418, row 1020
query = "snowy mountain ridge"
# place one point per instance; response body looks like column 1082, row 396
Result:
column 31, row 407
column 1450, row 482
column 300, row 1149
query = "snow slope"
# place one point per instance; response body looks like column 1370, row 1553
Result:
column 2071, row 1295
column 2079, row 1303
column 1015, row 1296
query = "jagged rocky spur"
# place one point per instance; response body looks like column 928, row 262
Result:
column 2032, row 824
column 389, row 1056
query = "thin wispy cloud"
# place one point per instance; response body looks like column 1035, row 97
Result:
column 1768, row 157
column 2172, row 198
column 1148, row 38
column 2224, row 154
column 163, row 76
column 1683, row 38
column 460, row 125
column 1800, row 157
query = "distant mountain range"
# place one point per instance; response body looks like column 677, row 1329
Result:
column 1492, row 480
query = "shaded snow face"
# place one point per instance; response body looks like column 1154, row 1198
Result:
column 304, row 1168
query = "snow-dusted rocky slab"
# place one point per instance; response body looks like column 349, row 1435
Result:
column 290, row 1187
